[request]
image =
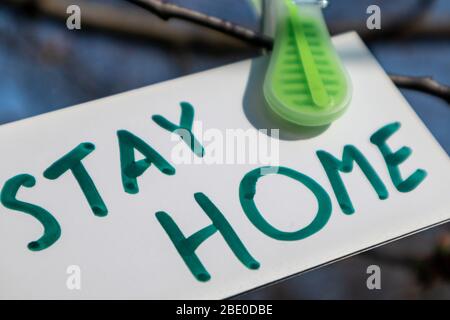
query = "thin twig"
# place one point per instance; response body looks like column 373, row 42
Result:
column 167, row 11
column 424, row 84
column 133, row 23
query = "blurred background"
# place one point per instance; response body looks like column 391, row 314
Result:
column 44, row 67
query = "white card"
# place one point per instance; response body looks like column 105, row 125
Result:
column 128, row 254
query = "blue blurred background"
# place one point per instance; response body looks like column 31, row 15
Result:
column 45, row 67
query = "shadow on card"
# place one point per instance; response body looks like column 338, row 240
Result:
column 262, row 117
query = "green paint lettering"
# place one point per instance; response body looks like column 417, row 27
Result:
column 247, row 192
column 72, row 161
column 332, row 167
column 184, row 130
column 394, row 159
column 186, row 247
column 52, row 230
column 130, row 168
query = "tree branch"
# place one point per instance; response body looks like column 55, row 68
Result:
column 424, row 84
column 133, row 23
column 167, row 11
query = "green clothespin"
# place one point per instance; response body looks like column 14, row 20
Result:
column 306, row 82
